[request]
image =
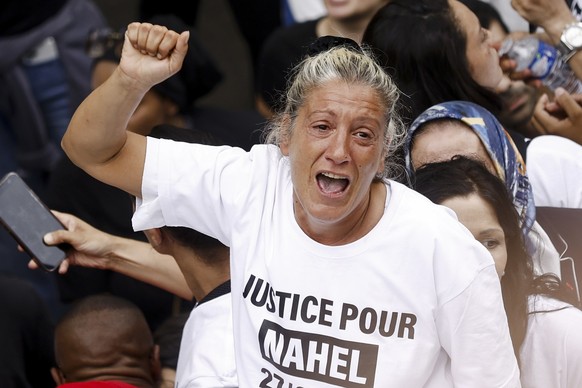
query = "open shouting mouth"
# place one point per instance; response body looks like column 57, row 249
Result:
column 332, row 184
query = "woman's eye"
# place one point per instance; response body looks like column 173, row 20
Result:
column 490, row 244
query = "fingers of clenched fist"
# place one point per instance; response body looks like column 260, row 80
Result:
column 153, row 40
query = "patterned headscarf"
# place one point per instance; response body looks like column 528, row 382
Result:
column 506, row 158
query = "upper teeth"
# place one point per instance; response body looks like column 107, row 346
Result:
column 333, row 176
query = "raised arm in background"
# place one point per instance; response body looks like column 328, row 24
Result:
column 96, row 139
column 553, row 16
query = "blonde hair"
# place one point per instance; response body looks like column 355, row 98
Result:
column 353, row 67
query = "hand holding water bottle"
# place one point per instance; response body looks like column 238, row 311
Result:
column 509, row 65
column 543, row 61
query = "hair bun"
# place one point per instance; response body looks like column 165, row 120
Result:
column 327, row 42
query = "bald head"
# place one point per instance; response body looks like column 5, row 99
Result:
column 104, row 337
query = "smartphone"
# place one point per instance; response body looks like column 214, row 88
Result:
column 28, row 219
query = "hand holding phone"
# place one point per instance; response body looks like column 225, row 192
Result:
column 28, row 219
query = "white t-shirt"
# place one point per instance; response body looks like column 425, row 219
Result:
column 551, row 353
column 206, row 357
column 414, row 303
column 304, row 10
column 510, row 17
column 554, row 168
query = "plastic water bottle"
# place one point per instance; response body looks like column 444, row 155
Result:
column 544, row 61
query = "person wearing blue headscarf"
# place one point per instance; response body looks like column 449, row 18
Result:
column 508, row 165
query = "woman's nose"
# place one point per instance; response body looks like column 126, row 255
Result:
column 338, row 149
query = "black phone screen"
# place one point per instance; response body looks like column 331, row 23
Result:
column 27, row 219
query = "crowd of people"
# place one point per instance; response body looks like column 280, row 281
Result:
column 400, row 208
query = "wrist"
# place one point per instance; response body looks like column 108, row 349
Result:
column 570, row 41
column 555, row 28
column 129, row 86
column 117, row 252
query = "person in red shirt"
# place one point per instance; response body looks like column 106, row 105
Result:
column 105, row 341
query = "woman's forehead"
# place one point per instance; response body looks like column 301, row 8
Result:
column 446, row 125
column 360, row 92
column 442, row 139
column 446, row 136
column 340, row 95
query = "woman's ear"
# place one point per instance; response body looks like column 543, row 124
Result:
column 155, row 363
column 171, row 109
column 155, row 238
column 58, row 376
column 382, row 165
column 284, row 148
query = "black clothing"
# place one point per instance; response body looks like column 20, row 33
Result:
column 282, row 50
column 17, row 16
column 26, row 336
column 242, row 128
column 71, row 190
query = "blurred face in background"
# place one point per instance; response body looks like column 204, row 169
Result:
column 496, row 32
column 519, row 101
column 352, row 9
column 481, row 55
column 480, row 218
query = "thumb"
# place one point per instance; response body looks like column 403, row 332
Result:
column 567, row 102
column 559, row 91
column 181, row 49
column 50, row 239
column 59, row 237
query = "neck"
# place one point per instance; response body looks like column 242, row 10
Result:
column 202, row 277
column 344, row 29
column 352, row 28
column 351, row 229
column 178, row 120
